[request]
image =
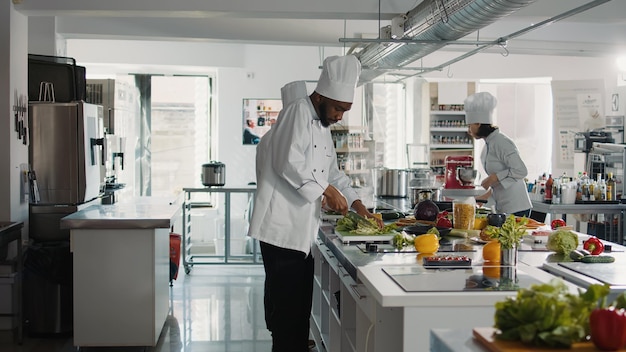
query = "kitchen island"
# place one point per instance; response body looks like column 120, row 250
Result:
column 385, row 301
column 121, row 271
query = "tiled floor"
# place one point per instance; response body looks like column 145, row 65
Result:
column 216, row 308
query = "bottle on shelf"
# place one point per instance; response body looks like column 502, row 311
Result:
column 556, row 191
column 610, row 187
column 597, row 188
column 584, row 185
column 547, row 196
column 602, row 190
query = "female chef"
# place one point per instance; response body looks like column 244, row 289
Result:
column 501, row 159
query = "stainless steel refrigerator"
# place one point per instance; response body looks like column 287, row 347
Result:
column 66, row 152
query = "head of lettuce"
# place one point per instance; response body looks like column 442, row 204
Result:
column 562, row 241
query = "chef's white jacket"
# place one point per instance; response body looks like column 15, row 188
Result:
column 296, row 161
column 500, row 156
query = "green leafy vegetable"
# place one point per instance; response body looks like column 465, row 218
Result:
column 562, row 241
column 510, row 234
column 346, row 224
column 402, row 239
column 548, row 315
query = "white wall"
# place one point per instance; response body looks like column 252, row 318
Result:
column 272, row 66
column 13, row 73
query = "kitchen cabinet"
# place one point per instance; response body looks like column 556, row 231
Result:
column 11, row 279
column 373, row 312
column 121, row 256
column 341, row 313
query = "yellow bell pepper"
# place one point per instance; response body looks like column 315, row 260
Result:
column 426, row 243
column 480, row 223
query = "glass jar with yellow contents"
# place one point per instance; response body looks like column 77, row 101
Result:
column 464, row 213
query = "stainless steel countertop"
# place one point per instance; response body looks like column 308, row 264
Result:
column 138, row 213
column 589, row 208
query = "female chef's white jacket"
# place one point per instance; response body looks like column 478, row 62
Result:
column 296, row 161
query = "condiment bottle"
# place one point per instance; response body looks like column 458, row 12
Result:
column 584, row 184
column 610, row 188
column 548, row 195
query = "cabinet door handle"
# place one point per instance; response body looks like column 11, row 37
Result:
column 355, row 289
column 341, row 271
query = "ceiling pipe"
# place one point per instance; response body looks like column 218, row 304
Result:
column 436, row 21
column 434, row 24
column 504, row 39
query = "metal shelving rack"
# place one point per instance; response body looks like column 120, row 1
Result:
column 189, row 259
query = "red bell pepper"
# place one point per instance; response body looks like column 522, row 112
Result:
column 557, row 223
column 608, row 328
column 594, row 245
column 443, row 221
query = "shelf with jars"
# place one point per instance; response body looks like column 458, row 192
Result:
column 448, row 132
column 354, row 153
column 448, row 135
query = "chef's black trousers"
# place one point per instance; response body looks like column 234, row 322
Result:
column 288, row 297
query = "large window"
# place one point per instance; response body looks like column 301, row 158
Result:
column 174, row 134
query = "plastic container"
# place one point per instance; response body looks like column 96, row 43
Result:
column 463, row 213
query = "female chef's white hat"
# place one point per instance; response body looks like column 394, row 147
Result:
column 479, row 108
column 339, row 77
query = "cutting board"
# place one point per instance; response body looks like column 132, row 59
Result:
column 608, row 273
column 346, row 237
column 485, row 337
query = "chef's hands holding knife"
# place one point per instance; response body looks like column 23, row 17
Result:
column 333, row 199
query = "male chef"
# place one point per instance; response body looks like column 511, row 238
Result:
column 297, row 174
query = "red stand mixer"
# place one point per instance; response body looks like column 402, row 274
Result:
column 460, row 173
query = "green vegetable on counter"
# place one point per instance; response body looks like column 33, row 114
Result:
column 597, row 259
column 510, row 234
column 562, row 241
column 347, row 224
column 402, row 239
column 548, row 315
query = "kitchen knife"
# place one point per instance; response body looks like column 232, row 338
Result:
column 358, row 219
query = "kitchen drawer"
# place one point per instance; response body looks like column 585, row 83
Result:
column 359, row 293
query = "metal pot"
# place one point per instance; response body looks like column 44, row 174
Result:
column 213, row 174
column 417, row 194
column 393, row 183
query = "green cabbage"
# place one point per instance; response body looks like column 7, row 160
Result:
column 562, row 241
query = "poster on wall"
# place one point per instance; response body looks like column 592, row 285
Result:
column 577, row 107
column 590, row 111
column 258, row 117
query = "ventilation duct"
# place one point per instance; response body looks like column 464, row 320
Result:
column 432, row 24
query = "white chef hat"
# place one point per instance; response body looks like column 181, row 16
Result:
column 292, row 91
column 339, row 77
column 479, row 108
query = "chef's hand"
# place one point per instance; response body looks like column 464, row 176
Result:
column 360, row 209
column 489, row 181
column 333, row 199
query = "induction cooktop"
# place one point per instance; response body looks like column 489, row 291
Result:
column 459, row 279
